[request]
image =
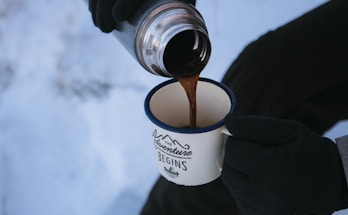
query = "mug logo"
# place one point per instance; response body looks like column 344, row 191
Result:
column 171, row 153
column 171, row 172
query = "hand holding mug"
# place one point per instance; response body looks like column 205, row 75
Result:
column 275, row 166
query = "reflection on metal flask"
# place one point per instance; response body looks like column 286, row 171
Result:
column 167, row 37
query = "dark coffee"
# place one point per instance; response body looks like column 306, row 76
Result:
column 184, row 60
column 190, row 86
column 183, row 55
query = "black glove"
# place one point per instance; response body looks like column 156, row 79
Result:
column 277, row 167
column 107, row 15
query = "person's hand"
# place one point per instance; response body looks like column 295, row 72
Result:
column 108, row 15
column 274, row 166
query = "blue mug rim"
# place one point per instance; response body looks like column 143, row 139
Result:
column 165, row 126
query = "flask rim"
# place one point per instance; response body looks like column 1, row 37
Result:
column 160, row 27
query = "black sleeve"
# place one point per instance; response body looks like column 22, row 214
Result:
column 298, row 70
column 167, row 198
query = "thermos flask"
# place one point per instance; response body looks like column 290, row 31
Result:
column 167, row 37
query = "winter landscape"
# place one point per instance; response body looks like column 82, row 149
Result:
column 74, row 138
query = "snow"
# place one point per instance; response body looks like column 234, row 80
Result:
column 74, row 138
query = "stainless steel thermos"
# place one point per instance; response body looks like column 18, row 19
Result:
column 167, row 37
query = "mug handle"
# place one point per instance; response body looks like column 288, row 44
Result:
column 224, row 130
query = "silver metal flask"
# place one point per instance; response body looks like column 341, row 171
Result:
column 167, row 37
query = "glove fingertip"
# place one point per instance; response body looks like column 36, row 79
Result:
column 122, row 10
column 118, row 11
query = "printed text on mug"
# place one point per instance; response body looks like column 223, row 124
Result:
column 173, row 155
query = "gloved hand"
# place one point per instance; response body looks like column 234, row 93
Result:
column 107, row 15
column 274, row 166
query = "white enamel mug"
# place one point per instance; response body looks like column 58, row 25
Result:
column 189, row 156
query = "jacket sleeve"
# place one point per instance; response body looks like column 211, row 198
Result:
column 342, row 144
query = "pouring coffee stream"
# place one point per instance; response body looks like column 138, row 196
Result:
column 185, row 53
column 190, row 86
column 172, row 41
column 183, row 57
column 168, row 38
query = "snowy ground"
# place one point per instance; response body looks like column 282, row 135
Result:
column 73, row 135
